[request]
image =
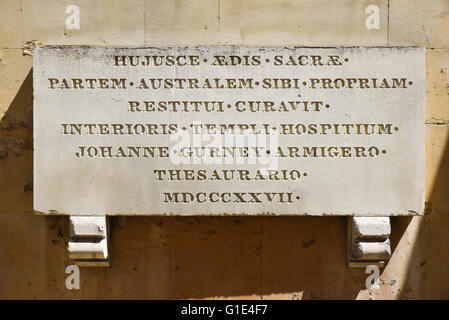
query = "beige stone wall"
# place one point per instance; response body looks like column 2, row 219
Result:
column 221, row 257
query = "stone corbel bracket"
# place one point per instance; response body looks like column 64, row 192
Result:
column 368, row 241
column 88, row 244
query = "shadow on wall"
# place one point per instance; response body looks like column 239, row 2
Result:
column 428, row 263
column 418, row 267
column 16, row 151
column 197, row 257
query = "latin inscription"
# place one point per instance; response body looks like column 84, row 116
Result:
column 229, row 130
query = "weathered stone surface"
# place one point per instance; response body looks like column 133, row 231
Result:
column 88, row 250
column 437, row 170
column 371, row 227
column 113, row 181
column 372, row 250
column 182, row 257
column 419, row 23
column 437, row 86
column 172, row 22
column 368, row 241
column 311, row 22
column 10, row 24
column 82, row 226
column 88, row 244
column 101, row 22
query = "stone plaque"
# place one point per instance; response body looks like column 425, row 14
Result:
column 229, row 130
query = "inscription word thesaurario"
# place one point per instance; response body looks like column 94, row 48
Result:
column 229, row 130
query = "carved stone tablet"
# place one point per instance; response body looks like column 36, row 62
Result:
column 229, row 130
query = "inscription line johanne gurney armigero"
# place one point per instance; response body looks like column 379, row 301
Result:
column 229, row 130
